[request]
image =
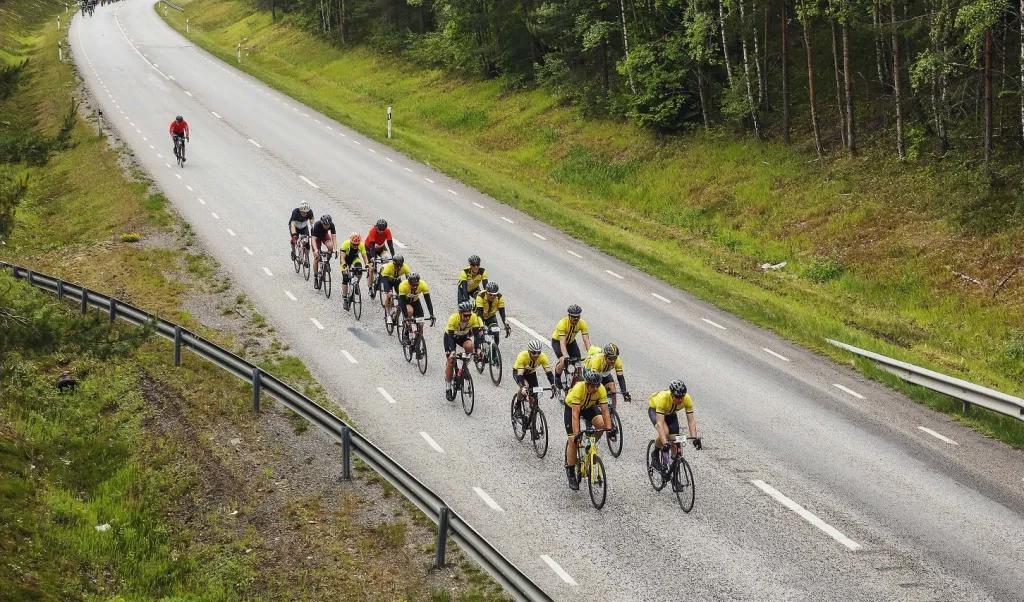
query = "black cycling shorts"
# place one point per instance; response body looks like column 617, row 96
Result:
column 586, row 416
column 672, row 420
column 387, row 283
column 572, row 346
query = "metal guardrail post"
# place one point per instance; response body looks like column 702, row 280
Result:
column 29, row 272
column 60, row 289
column 442, row 537
column 113, row 309
column 257, row 386
column 85, row 300
column 177, row 345
column 346, row 453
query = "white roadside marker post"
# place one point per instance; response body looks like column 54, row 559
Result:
column 389, row 122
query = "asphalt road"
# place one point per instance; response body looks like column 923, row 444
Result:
column 815, row 483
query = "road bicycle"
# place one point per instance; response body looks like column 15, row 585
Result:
column 355, row 294
column 413, row 343
column 674, row 469
column 615, row 447
column 323, row 276
column 527, row 417
column 390, row 313
column 377, row 264
column 300, row 257
column 179, row 150
column 569, row 376
column 590, row 466
column 489, row 355
column 462, row 382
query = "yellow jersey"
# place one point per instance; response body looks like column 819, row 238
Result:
column 578, row 396
column 490, row 308
column 663, row 403
column 461, row 328
column 565, row 329
column 350, row 254
column 472, row 280
column 528, row 364
column 597, row 362
column 389, row 270
column 405, row 290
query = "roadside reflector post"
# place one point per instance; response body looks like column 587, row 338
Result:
column 389, row 122
column 186, row 26
column 239, row 52
column 58, row 21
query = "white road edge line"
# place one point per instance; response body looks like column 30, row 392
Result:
column 539, row 236
column 574, row 254
column 289, row 294
column 475, row 204
column 216, row 115
column 938, row 436
column 614, row 274
column 848, row 390
column 317, row 323
column 254, row 143
column 806, row 515
column 770, row 352
column 187, row 92
column 399, row 244
column 431, row 442
column 308, row 181
column 453, row 192
column 387, row 396
column 715, row 324
column 428, row 179
column 488, row 500
column 558, row 569
column 267, row 271
column 660, row 298
column 507, row 219
column 533, row 333
column 349, row 357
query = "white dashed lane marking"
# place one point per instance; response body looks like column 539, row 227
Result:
column 189, row 188
column 539, row 236
column 507, row 219
column 290, row 295
column 938, row 436
column 613, row 274
column 215, row 216
column 660, row 298
column 317, row 323
column 430, row 441
column 308, row 181
column 408, row 170
column 400, row 244
column 770, row 352
column 574, row 254
column 230, row 231
column 201, row 201
column 428, row 179
column 387, row 396
column 806, row 515
column 349, row 357
column 216, row 115
column 848, row 390
column 187, row 92
column 254, row 143
column 267, row 271
column 475, row 204
column 488, row 499
column 558, row 569
column 247, row 250
column 715, row 324
column 457, row 194
column 177, row 175
column 533, row 333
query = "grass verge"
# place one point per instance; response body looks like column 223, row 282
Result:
column 918, row 261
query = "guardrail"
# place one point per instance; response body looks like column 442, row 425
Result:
column 517, row 584
column 180, row 9
column 967, row 392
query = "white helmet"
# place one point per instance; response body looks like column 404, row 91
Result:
column 304, row 207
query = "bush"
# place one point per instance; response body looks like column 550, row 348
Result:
column 825, row 269
column 659, row 71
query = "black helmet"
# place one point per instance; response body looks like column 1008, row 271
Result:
column 574, row 310
column 399, row 260
column 492, row 288
column 474, row 260
column 179, row 118
column 414, row 279
column 465, row 306
column 611, row 351
column 592, row 377
column 382, row 224
column 677, row 388
column 326, row 220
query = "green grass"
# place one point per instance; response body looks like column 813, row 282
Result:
column 871, row 246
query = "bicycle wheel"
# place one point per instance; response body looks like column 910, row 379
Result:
column 494, row 360
column 297, row 259
column 380, row 289
column 682, row 483
column 388, row 324
column 357, row 302
column 598, row 483
column 421, row 354
column 615, row 447
column 327, row 283
column 407, row 347
column 481, row 363
column 518, row 417
column 305, row 264
column 540, row 429
column 468, row 393
column 653, row 473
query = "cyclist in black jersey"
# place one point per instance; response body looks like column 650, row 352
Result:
column 299, row 223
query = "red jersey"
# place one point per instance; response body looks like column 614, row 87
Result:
column 178, row 129
column 376, row 237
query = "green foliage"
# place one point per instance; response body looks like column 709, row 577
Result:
column 12, row 191
column 825, row 269
column 10, row 75
column 660, row 72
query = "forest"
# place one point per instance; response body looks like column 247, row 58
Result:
column 917, row 78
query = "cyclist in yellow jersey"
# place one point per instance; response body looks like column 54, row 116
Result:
column 489, row 305
column 604, row 362
column 662, row 411
column 352, row 252
column 563, row 339
column 588, row 400
column 464, row 329
column 472, row 279
column 391, row 276
column 524, row 370
column 413, row 293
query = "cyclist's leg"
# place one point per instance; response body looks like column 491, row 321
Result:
column 559, row 358
column 492, row 321
column 570, row 444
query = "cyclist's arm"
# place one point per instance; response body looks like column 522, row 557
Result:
column 391, row 247
column 661, row 426
column 463, row 288
column 622, row 381
column 607, row 415
column 403, row 300
column 586, row 340
column 187, row 131
column 504, row 320
column 518, row 376
column 564, row 344
column 430, row 304
column 576, row 420
column 691, row 423
column 449, row 342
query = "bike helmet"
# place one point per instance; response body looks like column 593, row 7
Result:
column 398, row 260
column 414, row 279
column 591, row 377
column 574, row 310
column 492, row 288
column 326, row 220
column 474, row 260
column 611, row 351
column 304, row 207
column 534, row 347
column 179, row 118
column 382, row 224
column 465, row 307
column 677, row 388
column 354, row 238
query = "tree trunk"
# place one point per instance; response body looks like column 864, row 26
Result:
column 1022, row 70
column 725, row 46
column 901, row 150
column 341, row 21
column 839, row 88
column 604, row 66
column 757, row 56
column 273, row 11
column 851, row 130
column 766, row 104
column 746, row 71
column 785, row 74
column 810, row 89
column 625, row 42
column 987, row 138
column 879, row 47
column 703, row 99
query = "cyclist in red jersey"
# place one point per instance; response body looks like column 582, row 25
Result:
column 375, row 241
column 179, row 129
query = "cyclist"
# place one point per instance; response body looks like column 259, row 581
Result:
column 390, row 275
column 352, row 252
column 489, row 305
column 323, row 233
column 604, row 362
column 663, row 414
column 299, row 223
column 464, row 329
column 412, row 294
column 563, row 339
column 587, row 400
column 377, row 238
column 471, row 279
column 178, row 129
column 524, row 370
